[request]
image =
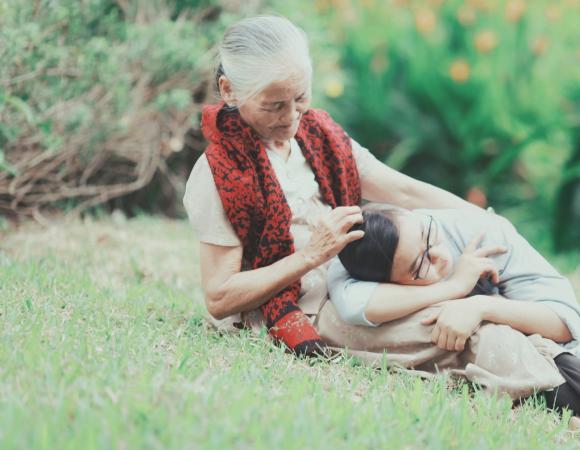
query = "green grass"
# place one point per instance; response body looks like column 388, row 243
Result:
column 104, row 346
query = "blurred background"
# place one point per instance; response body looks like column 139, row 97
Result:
column 100, row 100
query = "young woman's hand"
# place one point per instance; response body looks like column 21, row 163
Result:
column 331, row 234
column 454, row 323
column 474, row 264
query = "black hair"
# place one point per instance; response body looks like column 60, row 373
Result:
column 371, row 258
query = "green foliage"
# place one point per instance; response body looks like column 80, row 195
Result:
column 77, row 66
column 567, row 223
column 456, row 92
column 463, row 94
column 96, row 95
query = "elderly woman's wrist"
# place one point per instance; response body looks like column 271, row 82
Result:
column 309, row 259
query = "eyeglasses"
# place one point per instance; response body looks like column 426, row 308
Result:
column 424, row 266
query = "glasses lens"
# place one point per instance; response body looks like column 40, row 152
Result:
column 424, row 269
column 426, row 259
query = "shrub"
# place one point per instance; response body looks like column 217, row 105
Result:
column 94, row 97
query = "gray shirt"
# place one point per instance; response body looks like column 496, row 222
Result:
column 524, row 273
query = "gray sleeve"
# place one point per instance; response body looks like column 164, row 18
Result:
column 348, row 295
column 528, row 276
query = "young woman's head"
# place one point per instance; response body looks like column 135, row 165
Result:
column 399, row 246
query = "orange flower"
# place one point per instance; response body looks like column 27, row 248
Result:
column 552, row 13
column 459, row 71
column 466, row 15
column 425, row 20
column 380, row 61
column 540, row 45
column 514, row 10
column 436, row 3
column 485, row 41
column 482, row 5
column 476, row 3
column 477, row 196
column 339, row 4
column 334, row 88
column 322, row 5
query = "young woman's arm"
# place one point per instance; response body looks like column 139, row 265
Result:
column 390, row 301
column 393, row 301
column 527, row 317
column 455, row 322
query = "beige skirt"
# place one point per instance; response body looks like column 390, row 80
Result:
column 497, row 357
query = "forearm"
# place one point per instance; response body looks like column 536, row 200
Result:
column 386, row 185
column 247, row 290
column 392, row 301
column 425, row 195
column 527, row 317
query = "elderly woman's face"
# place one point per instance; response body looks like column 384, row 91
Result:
column 275, row 112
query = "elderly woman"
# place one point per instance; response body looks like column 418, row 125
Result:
column 274, row 196
column 278, row 188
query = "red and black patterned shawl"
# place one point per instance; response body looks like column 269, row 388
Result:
column 253, row 199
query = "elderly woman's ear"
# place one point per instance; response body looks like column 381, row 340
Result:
column 226, row 91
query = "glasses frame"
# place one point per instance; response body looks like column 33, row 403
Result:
column 417, row 273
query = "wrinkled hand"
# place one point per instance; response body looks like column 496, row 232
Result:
column 474, row 264
column 454, row 323
column 331, row 235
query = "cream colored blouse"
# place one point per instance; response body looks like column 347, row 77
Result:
column 211, row 225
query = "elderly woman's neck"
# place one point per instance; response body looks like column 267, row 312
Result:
column 282, row 148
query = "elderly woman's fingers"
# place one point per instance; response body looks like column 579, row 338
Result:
column 331, row 233
column 343, row 211
column 354, row 236
column 347, row 222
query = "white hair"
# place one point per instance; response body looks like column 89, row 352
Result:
column 258, row 51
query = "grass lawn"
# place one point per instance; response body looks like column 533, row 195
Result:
column 104, row 346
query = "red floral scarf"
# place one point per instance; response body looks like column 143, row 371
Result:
column 255, row 204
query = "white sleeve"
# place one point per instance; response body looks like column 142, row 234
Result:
column 348, row 295
column 204, row 207
column 364, row 159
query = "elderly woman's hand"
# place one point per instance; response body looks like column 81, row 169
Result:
column 331, row 234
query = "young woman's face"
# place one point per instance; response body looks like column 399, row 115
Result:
column 275, row 112
column 412, row 259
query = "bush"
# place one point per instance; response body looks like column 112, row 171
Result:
column 97, row 98
column 94, row 98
